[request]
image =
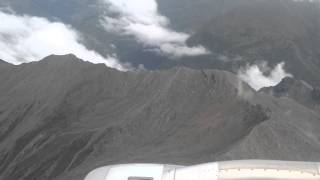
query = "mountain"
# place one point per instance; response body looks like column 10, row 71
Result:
column 3, row 62
column 298, row 90
column 62, row 117
column 250, row 30
column 202, row 11
column 290, row 130
column 272, row 31
column 4, row 65
column 85, row 16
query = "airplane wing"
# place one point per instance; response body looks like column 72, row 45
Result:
column 228, row 170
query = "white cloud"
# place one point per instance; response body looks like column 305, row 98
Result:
column 254, row 75
column 24, row 39
column 142, row 20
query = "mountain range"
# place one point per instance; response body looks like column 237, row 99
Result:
column 250, row 30
column 62, row 117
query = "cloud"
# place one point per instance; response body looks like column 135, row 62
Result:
column 243, row 91
column 255, row 77
column 25, row 38
column 142, row 20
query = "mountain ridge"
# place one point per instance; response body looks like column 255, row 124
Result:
column 270, row 31
column 62, row 117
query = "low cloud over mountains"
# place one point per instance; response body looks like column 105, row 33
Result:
column 256, row 78
column 142, row 20
column 28, row 38
column 192, row 102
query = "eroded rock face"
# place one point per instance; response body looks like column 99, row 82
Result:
column 61, row 113
column 61, row 118
column 298, row 90
column 316, row 95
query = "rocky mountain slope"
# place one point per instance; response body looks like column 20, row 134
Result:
column 298, row 90
column 272, row 31
column 62, row 117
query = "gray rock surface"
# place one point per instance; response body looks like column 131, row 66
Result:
column 268, row 30
column 297, row 90
column 62, row 117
